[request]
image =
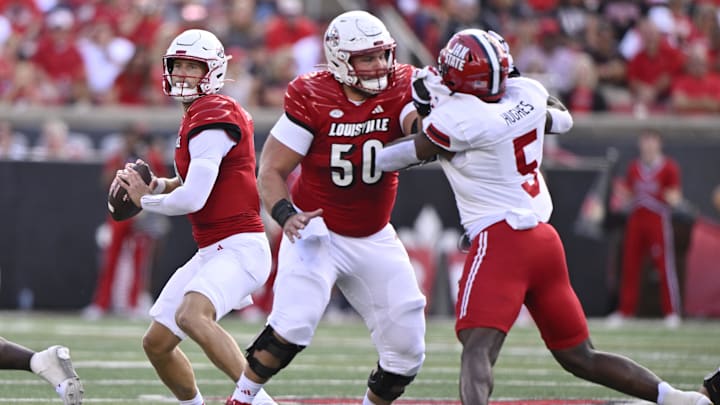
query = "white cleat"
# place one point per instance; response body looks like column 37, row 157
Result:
column 677, row 397
column 54, row 365
column 263, row 398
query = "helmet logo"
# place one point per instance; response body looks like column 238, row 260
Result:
column 456, row 57
column 368, row 27
column 332, row 37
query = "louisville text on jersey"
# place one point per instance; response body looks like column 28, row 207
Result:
column 360, row 128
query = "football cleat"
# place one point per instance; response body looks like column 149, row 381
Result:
column 54, row 365
column 712, row 385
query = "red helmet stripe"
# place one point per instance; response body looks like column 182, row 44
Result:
column 491, row 54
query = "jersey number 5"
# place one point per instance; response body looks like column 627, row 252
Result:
column 523, row 166
column 342, row 168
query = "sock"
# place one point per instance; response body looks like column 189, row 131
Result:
column 663, row 389
column 246, row 389
column 198, row 400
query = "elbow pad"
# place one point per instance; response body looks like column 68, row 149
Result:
column 562, row 121
column 397, row 156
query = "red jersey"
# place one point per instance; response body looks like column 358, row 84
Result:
column 234, row 204
column 338, row 173
column 649, row 184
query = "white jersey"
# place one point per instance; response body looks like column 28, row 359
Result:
column 498, row 152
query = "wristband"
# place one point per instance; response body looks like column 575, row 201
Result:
column 160, row 187
column 281, row 211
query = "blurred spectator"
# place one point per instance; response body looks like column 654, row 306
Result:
column 672, row 18
column 461, row 14
column 622, row 15
column 243, row 30
column 135, row 239
column 25, row 18
column 549, row 60
column 59, row 59
column 502, row 15
column 279, row 72
column 652, row 190
column 585, row 97
column 141, row 22
column 573, row 16
column 705, row 19
column 56, row 143
column 290, row 28
column 13, row 145
column 136, row 82
column 651, row 71
column 611, row 68
column 245, row 86
column 697, row 90
column 105, row 55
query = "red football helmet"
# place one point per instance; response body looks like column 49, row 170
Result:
column 474, row 62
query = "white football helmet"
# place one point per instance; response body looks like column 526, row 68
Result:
column 198, row 45
column 358, row 33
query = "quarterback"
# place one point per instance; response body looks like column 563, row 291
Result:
column 215, row 187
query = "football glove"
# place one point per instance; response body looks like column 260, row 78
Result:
column 421, row 96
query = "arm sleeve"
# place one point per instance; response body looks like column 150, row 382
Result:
column 292, row 135
column 562, row 121
column 398, row 156
column 207, row 150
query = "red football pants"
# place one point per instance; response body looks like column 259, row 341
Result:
column 648, row 233
column 506, row 268
column 122, row 235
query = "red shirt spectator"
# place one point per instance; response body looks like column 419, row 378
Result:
column 650, row 71
column 59, row 58
column 289, row 26
column 697, row 90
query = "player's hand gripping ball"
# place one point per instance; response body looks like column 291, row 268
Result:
column 120, row 205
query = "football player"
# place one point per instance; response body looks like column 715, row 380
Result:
column 53, row 364
column 216, row 188
column 488, row 130
column 335, row 219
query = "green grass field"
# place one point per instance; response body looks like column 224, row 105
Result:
column 109, row 359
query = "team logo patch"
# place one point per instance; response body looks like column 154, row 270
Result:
column 336, row 113
column 456, row 57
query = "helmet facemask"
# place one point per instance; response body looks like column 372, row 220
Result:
column 200, row 46
column 353, row 34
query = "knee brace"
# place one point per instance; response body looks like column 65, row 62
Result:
column 388, row 386
column 283, row 352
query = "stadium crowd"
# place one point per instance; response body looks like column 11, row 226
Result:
column 596, row 55
column 620, row 56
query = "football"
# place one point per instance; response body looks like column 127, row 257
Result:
column 120, row 205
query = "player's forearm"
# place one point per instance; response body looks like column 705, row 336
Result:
column 188, row 197
column 272, row 187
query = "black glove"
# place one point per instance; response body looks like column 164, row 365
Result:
column 421, row 97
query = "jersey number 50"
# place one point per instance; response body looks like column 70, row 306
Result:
column 342, row 168
column 523, row 166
